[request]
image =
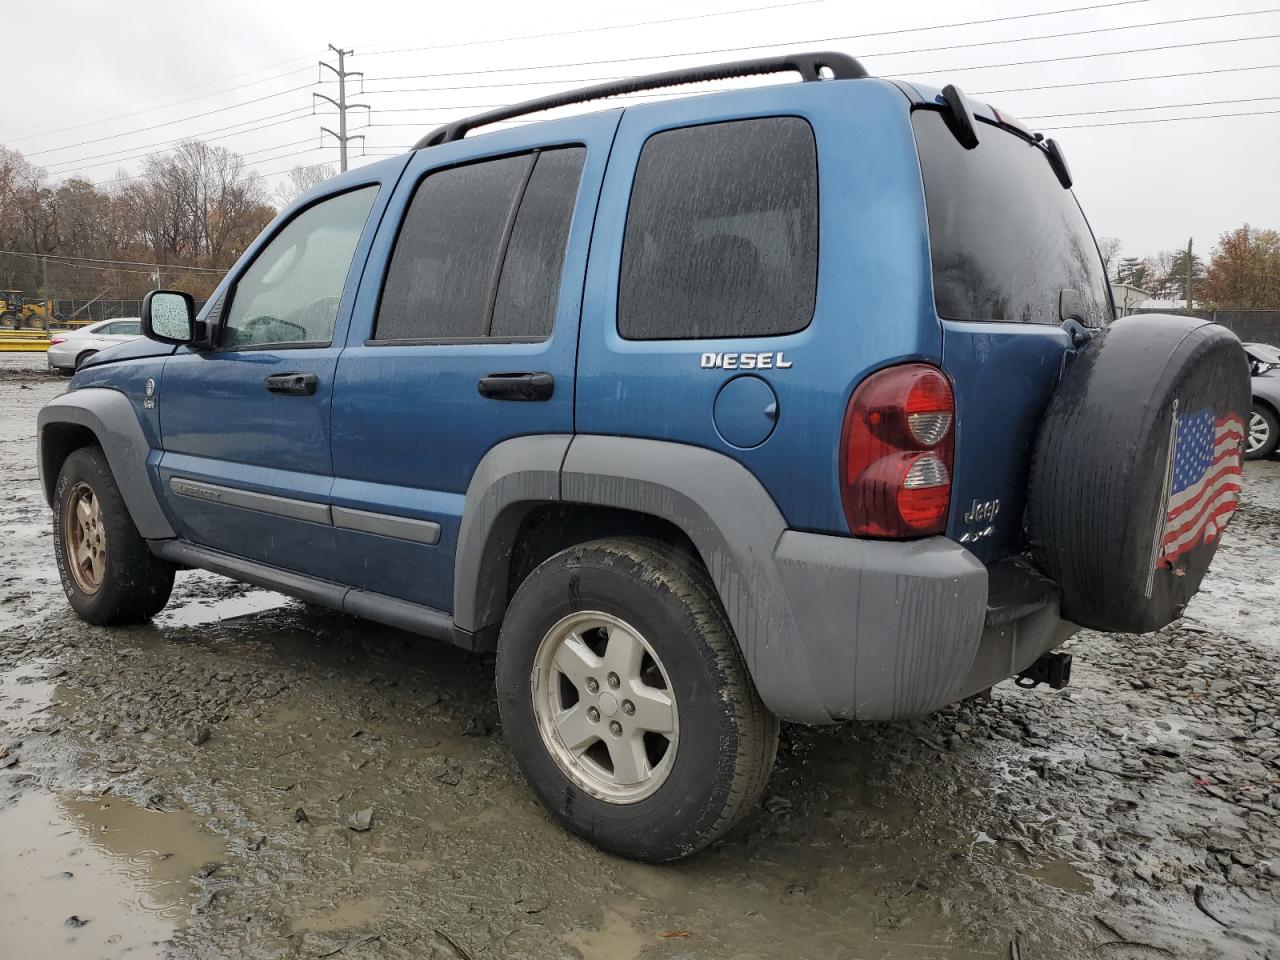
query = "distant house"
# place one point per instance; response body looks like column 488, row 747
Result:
column 1127, row 298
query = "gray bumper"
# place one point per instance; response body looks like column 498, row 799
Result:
column 898, row 630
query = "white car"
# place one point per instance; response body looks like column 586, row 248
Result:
column 68, row 350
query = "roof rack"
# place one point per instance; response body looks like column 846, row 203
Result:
column 810, row 66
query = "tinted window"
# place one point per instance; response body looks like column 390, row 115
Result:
column 291, row 291
column 722, row 232
column 441, row 274
column 1006, row 238
column 530, row 283
column 127, row 328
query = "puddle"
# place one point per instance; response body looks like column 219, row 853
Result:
column 199, row 612
column 349, row 914
column 25, row 693
column 123, row 870
column 617, row 939
column 1059, row 873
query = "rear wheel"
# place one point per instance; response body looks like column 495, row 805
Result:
column 1263, row 434
column 108, row 573
column 82, row 357
column 626, row 702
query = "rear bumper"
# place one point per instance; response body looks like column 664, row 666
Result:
column 894, row 630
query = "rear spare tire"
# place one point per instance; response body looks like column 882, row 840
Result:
column 1136, row 469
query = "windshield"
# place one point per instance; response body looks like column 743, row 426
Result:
column 1005, row 237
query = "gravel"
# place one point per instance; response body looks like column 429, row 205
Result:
column 348, row 788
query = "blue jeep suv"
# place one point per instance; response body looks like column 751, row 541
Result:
column 798, row 402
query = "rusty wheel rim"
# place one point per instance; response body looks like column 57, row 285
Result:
column 86, row 538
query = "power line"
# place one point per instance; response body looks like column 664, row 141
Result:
column 902, row 30
column 1131, row 123
column 132, row 263
column 1107, row 53
column 1042, row 116
column 168, row 123
column 615, row 26
column 192, row 136
column 976, row 93
column 1160, row 106
column 879, row 33
column 889, row 53
column 164, row 106
column 1156, row 76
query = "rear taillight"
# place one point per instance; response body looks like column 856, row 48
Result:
column 54, row 341
column 896, row 452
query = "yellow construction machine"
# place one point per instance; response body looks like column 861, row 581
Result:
column 17, row 312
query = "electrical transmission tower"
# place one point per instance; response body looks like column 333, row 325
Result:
column 341, row 72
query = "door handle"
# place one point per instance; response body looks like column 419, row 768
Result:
column 292, row 384
column 517, row 386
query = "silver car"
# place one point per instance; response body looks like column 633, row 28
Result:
column 1264, row 419
column 68, row 350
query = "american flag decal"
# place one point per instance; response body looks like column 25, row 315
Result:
column 1204, row 486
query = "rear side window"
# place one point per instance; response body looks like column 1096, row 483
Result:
column 529, row 288
column 481, row 250
column 1006, row 238
column 722, row 232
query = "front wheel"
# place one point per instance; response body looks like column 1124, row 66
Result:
column 626, row 702
column 108, row 573
column 1263, row 435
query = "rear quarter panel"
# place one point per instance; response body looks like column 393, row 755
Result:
column 873, row 306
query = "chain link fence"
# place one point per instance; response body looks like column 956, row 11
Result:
column 79, row 313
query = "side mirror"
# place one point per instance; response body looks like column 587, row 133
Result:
column 169, row 316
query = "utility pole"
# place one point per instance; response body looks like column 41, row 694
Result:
column 1188, row 278
column 341, row 72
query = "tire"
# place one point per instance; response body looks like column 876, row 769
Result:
column 718, row 757
column 1112, row 517
column 82, row 357
column 1263, row 434
column 108, row 573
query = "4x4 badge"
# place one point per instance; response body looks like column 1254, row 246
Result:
column 744, row 361
column 149, row 402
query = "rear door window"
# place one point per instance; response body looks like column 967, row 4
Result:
column 722, row 232
column 481, row 250
column 1005, row 237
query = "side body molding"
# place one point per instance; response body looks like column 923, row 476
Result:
column 111, row 417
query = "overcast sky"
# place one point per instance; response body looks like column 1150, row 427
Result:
column 108, row 69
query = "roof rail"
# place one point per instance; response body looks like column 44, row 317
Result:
column 810, row 66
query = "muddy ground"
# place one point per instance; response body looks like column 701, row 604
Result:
column 186, row 789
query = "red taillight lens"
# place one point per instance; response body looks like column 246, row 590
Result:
column 54, row 341
column 896, row 452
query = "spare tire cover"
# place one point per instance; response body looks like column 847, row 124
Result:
column 1136, row 469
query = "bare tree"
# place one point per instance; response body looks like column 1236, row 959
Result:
column 1109, row 247
column 301, row 179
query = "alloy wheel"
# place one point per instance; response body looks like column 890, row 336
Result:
column 1259, row 432
column 86, row 538
column 605, row 707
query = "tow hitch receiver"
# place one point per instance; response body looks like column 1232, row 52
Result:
column 1052, row 668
